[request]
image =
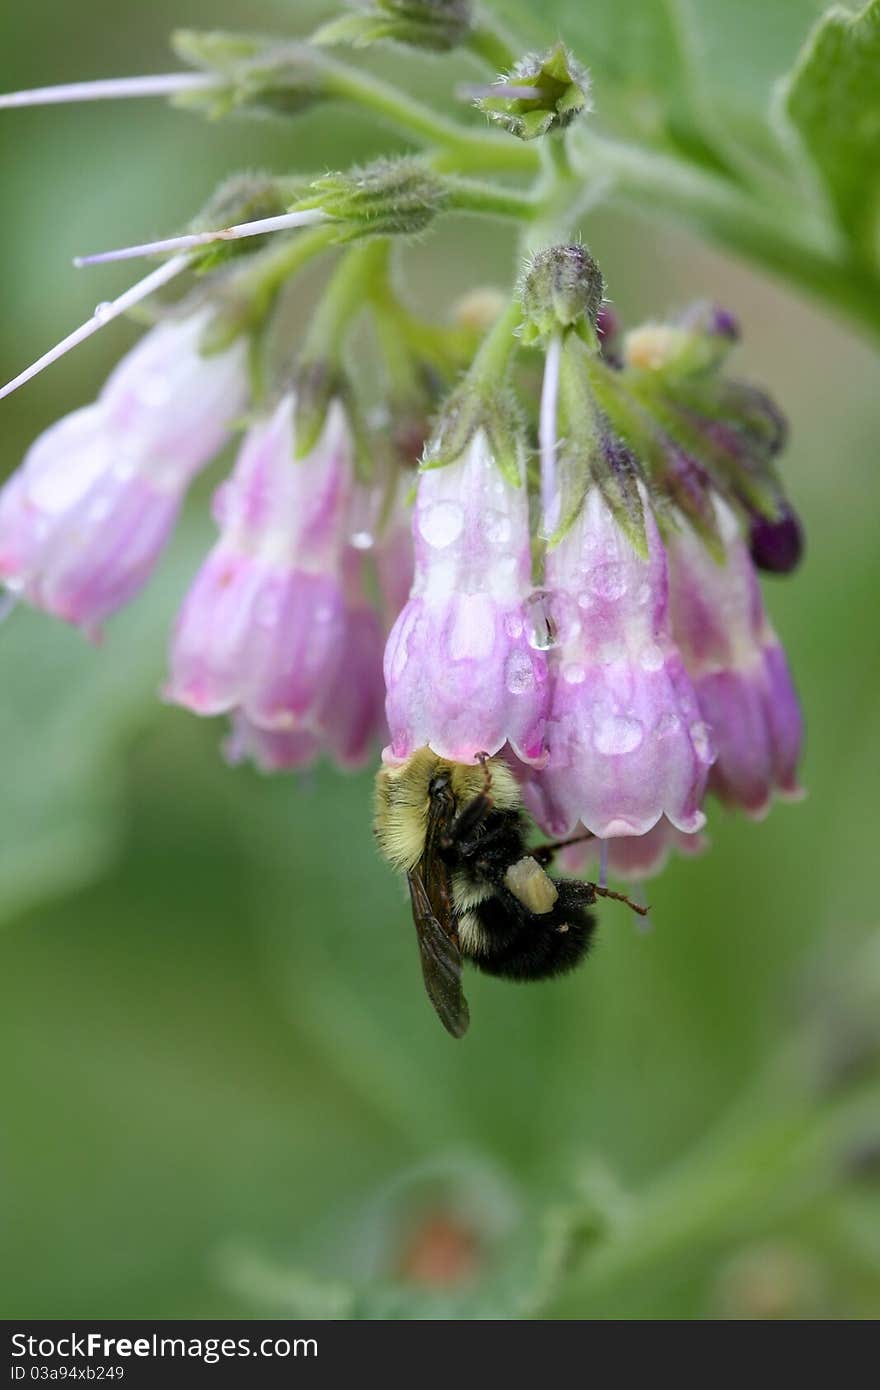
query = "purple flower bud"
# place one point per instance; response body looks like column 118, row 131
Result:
column 461, row 673
column 607, row 322
column 738, row 668
column 84, row 519
column 266, row 624
column 625, row 736
column 712, row 319
column 777, row 546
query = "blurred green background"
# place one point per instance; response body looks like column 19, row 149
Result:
column 224, row 1091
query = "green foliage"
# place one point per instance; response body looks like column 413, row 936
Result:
column 65, row 716
column 833, row 100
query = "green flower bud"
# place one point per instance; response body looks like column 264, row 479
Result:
column 558, row 287
column 543, row 92
column 241, row 198
column 438, row 25
column 253, row 75
column 390, row 197
column 699, row 342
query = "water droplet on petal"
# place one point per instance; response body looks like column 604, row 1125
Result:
column 362, row 540
column 496, row 527
column 651, row 657
column 608, row 580
column 551, row 618
column 519, row 675
column 702, row 741
column 441, row 523
column 667, row 724
column 616, row 734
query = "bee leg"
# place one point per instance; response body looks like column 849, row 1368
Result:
column 483, row 759
column 467, row 821
column 544, row 853
column 601, row 892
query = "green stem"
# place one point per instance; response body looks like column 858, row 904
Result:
column 489, row 43
column 458, row 147
column 490, row 365
column 722, row 211
column 558, row 195
column 344, row 297
column 272, row 268
column 491, row 200
column 767, row 1154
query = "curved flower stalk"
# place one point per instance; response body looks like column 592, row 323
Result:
column 86, row 516
column 461, row 673
column 738, row 667
column 626, row 741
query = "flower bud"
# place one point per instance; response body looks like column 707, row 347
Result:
column 699, row 342
column 461, row 673
column 253, row 74
column 390, row 197
column 777, row 546
column 543, row 92
column 437, row 25
column 559, row 286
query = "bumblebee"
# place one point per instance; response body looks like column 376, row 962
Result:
column 478, row 892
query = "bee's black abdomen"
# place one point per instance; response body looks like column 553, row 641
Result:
column 520, row 945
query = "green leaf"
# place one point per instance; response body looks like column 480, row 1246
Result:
column 832, row 98
column 687, row 75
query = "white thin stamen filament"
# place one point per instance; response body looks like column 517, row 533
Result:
column 547, row 436
column 161, row 84
column 104, row 314
column 603, row 864
column 187, row 243
column 512, row 91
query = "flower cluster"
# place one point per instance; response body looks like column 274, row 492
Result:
column 570, row 580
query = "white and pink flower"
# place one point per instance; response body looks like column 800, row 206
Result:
column 626, row 741
column 461, row 673
column 738, row 668
column 85, row 518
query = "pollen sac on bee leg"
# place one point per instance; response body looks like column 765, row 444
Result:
column 529, row 883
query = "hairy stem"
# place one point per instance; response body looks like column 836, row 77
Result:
column 459, row 148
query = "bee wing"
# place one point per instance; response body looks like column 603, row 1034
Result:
column 441, row 961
